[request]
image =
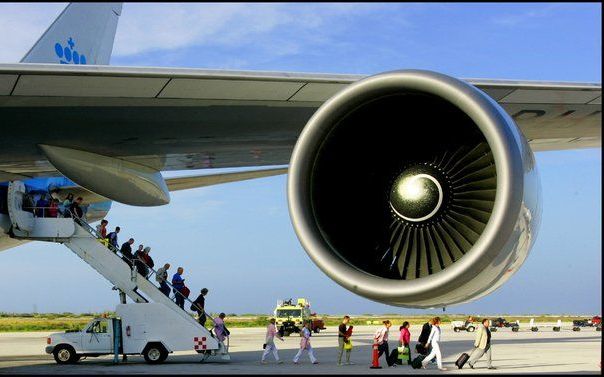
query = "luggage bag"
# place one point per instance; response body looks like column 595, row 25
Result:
column 462, row 360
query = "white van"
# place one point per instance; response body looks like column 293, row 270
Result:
column 150, row 329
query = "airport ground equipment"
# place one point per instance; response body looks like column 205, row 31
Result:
column 463, row 326
column 592, row 322
column 83, row 240
column 501, row 322
column 290, row 316
column 152, row 330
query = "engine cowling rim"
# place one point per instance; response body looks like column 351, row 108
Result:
column 487, row 116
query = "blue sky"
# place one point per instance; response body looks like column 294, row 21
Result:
column 237, row 240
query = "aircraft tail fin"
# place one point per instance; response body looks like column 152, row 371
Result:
column 82, row 34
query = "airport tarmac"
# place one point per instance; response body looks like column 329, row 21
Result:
column 524, row 352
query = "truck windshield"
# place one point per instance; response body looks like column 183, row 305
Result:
column 288, row 313
column 98, row 327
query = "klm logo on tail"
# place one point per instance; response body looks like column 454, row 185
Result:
column 68, row 54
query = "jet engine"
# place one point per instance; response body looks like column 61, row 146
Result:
column 414, row 189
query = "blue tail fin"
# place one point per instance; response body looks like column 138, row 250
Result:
column 82, row 34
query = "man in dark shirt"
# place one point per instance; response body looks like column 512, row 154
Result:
column 344, row 334
column 199, row 306
column 112, row 237
column 75, row 210
column 126, row 251
column 421, row 346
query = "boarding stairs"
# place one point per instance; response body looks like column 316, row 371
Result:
column 85, row 242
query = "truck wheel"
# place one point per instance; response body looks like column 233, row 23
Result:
column 471, row 329
column 317, row 330
column 456, row 329
column 65, row 354
column 155, row 353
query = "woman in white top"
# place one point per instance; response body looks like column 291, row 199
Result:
column 433, row 340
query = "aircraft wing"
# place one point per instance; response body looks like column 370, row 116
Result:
column 176, row 119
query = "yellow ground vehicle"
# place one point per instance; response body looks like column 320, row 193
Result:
column 291, row 316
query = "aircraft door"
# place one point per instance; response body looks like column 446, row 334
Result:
column 22, row 221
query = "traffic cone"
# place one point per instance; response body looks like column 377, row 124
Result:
column 375, row 363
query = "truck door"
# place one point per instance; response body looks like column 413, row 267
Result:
column 98, row 337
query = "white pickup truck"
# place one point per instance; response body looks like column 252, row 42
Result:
column 151, row 330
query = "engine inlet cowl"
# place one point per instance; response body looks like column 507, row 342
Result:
column 414, row 189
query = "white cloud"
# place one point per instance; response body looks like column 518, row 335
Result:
column 21, row 25
column 526, row 17
column 274, row 29
column 149, row 27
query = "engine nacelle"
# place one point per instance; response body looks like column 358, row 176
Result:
column 414, row 189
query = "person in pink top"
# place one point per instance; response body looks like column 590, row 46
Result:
column 405, row 338
column 220, row 328
column 269, row 344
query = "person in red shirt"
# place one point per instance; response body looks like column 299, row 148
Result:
column 53, row 209
column 405, row 338
column 102, row 229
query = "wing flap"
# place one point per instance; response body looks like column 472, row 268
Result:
column 195, row 181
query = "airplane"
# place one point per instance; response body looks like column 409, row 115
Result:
column 409, row 187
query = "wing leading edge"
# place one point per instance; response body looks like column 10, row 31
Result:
column 175, row 119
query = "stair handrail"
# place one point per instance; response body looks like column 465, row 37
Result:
column 111, row 247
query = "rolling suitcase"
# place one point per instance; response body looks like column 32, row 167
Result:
column 462, row 360
column 417, row 362
column 392, row 358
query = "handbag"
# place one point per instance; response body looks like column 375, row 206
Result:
column 404, row 353
column 348, row 345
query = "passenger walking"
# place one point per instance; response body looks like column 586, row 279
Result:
column 269, row 342
column 147, row 258
column 482, row 345
column 68, row 200
column 75, row 210
column 404, row 340
column 344, row 334
column 161, row 277
column 433, row 341
column 220, row 329
column 126, row 251
column 199, row 306
column 42, row 206
column 53, row 208
column 139, row 250
column 139, row 262
column 112, row 237
column 381, row 338
column 101, row 229
column 422, row 341
column 305, row 344
column 178, row 284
